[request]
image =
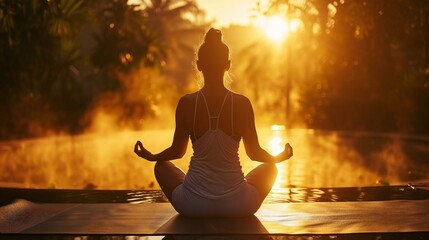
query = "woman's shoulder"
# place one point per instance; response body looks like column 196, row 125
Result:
column 188, row 96
column 187, row 99
column 238, row 99
column 241, row 99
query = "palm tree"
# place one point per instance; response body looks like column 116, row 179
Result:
column 38, row 56
column 121, row 41
column 176, row 25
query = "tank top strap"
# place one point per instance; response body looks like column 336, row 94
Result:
column 221, row 108
column 207, row 108
column 195, row 115
column 232, row 114
column 216, row 117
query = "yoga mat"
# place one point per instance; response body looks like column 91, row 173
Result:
column 24, row 214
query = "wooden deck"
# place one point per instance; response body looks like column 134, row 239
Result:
column 161, row 219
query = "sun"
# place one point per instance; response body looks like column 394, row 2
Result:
column 276, row 28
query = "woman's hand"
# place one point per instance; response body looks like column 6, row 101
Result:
column 141, row 151
column 286, row 154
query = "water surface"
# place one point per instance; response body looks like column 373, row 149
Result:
column 321, row 160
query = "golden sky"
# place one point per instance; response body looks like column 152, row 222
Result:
column 227, row 12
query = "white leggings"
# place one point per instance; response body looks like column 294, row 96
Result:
column 244, row 203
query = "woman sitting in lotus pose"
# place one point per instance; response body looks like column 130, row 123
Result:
column 215, row 119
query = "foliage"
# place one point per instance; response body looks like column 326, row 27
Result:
column 60, row 58
column 153, row 35
column 38, row 64
column 177, row 24
column 360, row 65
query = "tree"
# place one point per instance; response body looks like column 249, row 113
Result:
column 155, row 34
column 176, row 25
column 368, row 65
column 59, row 58
column 38, row 59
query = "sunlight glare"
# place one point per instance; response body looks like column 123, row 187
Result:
column 276, row 28
column 287, row 216
column 294, row 25
column 278, row 127
column 276, row 145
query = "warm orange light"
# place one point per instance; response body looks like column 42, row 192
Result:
column 276, row 146
column 126, row 58
column 280, row 179
column 275, row 27
column 294, row 25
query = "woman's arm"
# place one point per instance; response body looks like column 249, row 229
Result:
column 178, row 146
column 251, row 142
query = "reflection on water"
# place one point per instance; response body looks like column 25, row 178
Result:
column 278, row 195
column 321, row 160
column 277, row 141
column 276, row 145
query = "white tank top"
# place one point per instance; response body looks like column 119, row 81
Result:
column 214, row 170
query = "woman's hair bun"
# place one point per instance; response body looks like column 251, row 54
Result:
column 213, row 36
column 213, row 49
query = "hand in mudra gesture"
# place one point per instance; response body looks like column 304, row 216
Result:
column 140, row 150
column 286, row 154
